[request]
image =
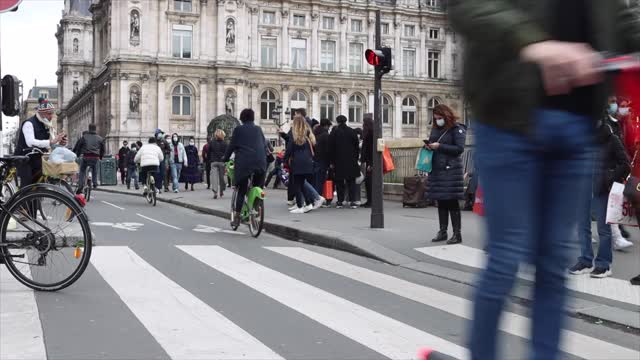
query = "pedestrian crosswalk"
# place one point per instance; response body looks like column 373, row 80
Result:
column 188, row 326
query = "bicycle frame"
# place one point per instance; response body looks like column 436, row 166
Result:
column 254, row 193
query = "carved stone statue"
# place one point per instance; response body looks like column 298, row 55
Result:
column 134, row 31
column 134, row 100
column 231, row 35
column 230, row 103
column 75, row 87
column 76, row 46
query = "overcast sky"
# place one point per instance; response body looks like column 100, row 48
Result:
column 28, row 42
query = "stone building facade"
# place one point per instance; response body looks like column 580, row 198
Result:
column 176, row 64
column 29, row 105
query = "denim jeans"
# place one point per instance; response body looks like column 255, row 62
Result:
column 93, row 164
column 534, row 189
column 605, row 255
column 132, row 173
column 158, row 175
column 176, row 169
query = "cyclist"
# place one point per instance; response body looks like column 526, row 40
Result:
column 149, row 157
column 249, row 146
column 91, row 148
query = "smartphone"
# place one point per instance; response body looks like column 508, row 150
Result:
column 426, row 142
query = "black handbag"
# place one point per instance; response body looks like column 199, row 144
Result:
column 632, row 187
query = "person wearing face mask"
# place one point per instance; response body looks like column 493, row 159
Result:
column 445, row 183
column 166, row 171
column 162, row 168
column 132, row 168
column 190, row 171
column 177, row 159
column 611, row 116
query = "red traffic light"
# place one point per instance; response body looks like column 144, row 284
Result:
column 374, row 57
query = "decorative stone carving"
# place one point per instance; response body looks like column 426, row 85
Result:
column 315, row 88
column 162, row 78
column 134, row 28
column 220, row 81
column 76, row 46
column 75, row 87
column 254, row 10
column 134, row 100
column 144, row 77
column 285, row 87
column 124, row 76
column 315, row 17
column 343, row 90
column 343, row 19
column 230, row 102
column 203, row 81
column 231, row 35
column 284, row 13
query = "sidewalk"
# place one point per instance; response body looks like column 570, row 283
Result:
column 406, row 241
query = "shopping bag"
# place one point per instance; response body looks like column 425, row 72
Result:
column 619, row 209
column 387, row 161
column 478, row 205
column 425, row 160
column 327, row 191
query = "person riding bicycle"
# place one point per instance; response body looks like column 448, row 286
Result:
column 249, row 146
column 149, row 157
column 91, row 148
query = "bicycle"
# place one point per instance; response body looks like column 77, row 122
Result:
column 45, row 237
column 88, row 183
column 252, row 212
column 151, row 192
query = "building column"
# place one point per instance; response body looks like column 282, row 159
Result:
column 344, row 103
column 371, row 40
column 255, row 51
column 286, row 63
column 201, row 126
column 285, row 98
column 122, row 125
column 145, row 106
column 397, row 61
column 423, row 119
column 315, row 42
column 220, row 97
column 204, row 54
column 163, row 30
column 397, row 119
column 221, row 53
column 372, row 101
column 315, row 102
column 163, row 112
column 422, row 52
column 241, row 99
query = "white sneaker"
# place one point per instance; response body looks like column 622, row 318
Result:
column 318, row 203
column 594, row 241
column 297, row 210
column 175, row 191
column 291, row 203
column 621, row 243
column 307, row 208
column 293, row 207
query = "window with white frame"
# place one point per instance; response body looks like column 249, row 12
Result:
column 410, row 30
column 269, row 17
column 328, row 55
column 409, row 111
column 298, row 53
column 432, row 3
column 409, row 62
column 328, row 106
column 268, row 102
column 434, row 33
column 432, row 104
column 384, row 28
column 298, row 20
column 44, row 94
column 298, row 100
column 387, row 109
column 433, row 64
column 328, row 23
column 268, row 52
column 356, row 108
column 181, row 100
column 355, row 57
column 182, row 36
column 356, row 25
column 182, row 5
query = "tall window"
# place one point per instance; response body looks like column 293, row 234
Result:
column 328, row 23
column 387, row 109
column 267, row 104
column 432, row 104
column 409, row 30
column 182, row 38
column 433, row 64
column 355, row 57
column 409, row 62
column 298, row 53
column 384, row 28
column 432, row 3
column 298, row 100
column 76, row 45
column 356, row 106
column 328, row 55
column 327, row 106
column 454, row 62
column 182, row 5
column 298, row 20
column 268, row 51
column 409, row 111
column 356, row 25
column 181, row 100
column 434, row 33
column 269, row 17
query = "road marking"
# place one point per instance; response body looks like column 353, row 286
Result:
column 573, row 343
column 183, row 325
column 159, row 222
column 610, row 288
column 129, row 226
column 213, row 230
column 110, row 204
column 383, row 334
column 21, row 330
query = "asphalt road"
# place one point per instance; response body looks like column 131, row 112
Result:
column 169, row 283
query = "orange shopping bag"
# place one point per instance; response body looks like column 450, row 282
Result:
column 387, row 161
column 327, row 191
column 478, row 205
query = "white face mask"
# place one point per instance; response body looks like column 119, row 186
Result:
column 440, row 122
column 623, row 111
column 191, row 143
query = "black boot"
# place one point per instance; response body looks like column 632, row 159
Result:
column 443, row 217
column 456, row 222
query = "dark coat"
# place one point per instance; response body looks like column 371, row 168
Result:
column 249, row 145
column 191, row 173
column 217, row 150
column 344, row 152
column 367, row 149
column 322, row 149
column 122, row 157
column 612, row 163
column 446, row 180
column 91, row 144
column 301, row 158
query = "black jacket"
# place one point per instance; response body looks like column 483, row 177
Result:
column 217, row 150
column 367, row 149
column 612, row 163
column 122, row 157
column 90, row 144
column 446, row 180
column 130, row 158
column 249, row 146
column 344, row 152
column 322, row 148
column 301, row 158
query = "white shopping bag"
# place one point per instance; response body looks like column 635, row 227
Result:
column 619, row 210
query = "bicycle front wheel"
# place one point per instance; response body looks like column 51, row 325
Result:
column 234, row 225
column 7, row 191
column 256, row 218
column 45, row 240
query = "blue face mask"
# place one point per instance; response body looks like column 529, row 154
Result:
column 624, row 111
column 613, row 109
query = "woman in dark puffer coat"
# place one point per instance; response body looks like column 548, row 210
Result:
column 446, row 180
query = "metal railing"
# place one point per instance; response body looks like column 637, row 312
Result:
column 405, row 159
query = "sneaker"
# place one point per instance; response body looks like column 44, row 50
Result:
column 175, row 191
column 635, row 280
column 293, row 207
column 621, row 243
column 354, row 205
column 157, row 191
column 308, row 208
column 318, row 203
column 601, row 273
column 339, row 206
column 580, row 268
column 594, row 241
column 291, row 203
column 297, row 210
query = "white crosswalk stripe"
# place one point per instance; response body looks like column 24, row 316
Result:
column 574, row 343
column 609, row 288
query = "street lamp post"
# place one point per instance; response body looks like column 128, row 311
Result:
column 277, row 113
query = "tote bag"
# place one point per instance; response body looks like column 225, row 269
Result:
column 425, row 159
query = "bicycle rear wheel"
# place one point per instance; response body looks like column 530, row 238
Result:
column 48, row 245
column 256, row 218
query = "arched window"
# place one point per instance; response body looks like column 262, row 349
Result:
column 328, row 106
column 409, row 111
column 298, row 100
column 268, row 101
column 181, row 100
column 387, row 109
column 356, row 106
column 432, row 103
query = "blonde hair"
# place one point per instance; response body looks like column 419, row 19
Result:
column 219, row 134
column 302, row 131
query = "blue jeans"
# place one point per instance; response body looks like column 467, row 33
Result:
column 158, row 175
column 534, row 189
column 132, row 173
column 93, row 164
column 176, row 169
column 605, row 254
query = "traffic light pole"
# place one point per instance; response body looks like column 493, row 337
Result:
column 377, row 184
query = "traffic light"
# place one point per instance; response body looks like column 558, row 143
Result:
column 10, row 95
column 380, row 58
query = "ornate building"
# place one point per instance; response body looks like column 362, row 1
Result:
column 176, row 64
column 29, row 105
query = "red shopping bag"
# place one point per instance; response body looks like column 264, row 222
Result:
column 387, row 161
column 327, row 191
column 478, row 205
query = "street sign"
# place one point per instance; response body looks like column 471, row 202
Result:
column 9, row 5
